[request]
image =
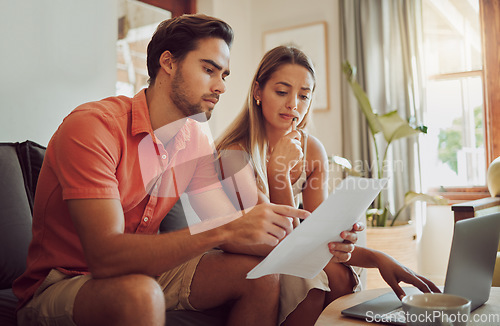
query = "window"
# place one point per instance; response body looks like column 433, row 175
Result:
column 490, row 27
column 453, row 151
column 137, row 23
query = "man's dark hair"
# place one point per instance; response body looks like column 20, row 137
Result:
column 180, row 35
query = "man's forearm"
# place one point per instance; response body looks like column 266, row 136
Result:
column 151, row 254
column 256, row 250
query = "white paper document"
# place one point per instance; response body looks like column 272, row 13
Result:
column 304, row 252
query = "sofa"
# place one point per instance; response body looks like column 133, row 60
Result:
column 20, row 165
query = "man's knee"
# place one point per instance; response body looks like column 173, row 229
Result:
column 268, row 285
column 220, row 278
column 118, row 301
column 140, row 293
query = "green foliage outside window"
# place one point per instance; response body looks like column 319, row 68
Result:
column 451, row 139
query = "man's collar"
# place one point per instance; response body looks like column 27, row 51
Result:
column 141, row 121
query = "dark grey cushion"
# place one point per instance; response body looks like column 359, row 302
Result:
column 8, row 303
column 30, row 155
column 174, row 220
column 15, row 217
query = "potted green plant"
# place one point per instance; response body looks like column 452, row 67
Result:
column 392, row 127
column 383, row 230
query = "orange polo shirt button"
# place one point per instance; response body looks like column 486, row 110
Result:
column 146, row 219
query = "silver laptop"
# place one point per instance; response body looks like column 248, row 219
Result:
column 470, row 271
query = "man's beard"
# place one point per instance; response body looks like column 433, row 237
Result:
column 181, row 99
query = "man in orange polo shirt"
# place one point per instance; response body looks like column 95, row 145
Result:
column 112, row 172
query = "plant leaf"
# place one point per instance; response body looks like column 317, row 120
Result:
column 422, row 128
column 394, row 127
column 346, row 165
column 411, row 197
column 342, row 161
column 362, row 99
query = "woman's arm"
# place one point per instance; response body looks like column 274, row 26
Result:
column 391, row 270
column 316, row 188
column 286, row 154
column 316, row 191
column 241, row 188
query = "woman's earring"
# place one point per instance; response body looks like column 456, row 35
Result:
column 258, row 102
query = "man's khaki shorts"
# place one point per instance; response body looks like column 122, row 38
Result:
column 52, row 303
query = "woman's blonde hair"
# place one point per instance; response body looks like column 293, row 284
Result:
column 248, row 127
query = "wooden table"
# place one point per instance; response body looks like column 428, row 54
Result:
column 332, row 316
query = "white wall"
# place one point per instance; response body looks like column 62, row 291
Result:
column 55, row 55
column 59, row 54
column 238, row 14
column 435, row 243
column 250, row 19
